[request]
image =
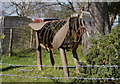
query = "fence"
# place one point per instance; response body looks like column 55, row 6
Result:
column 18, row 38
column 16, row 31
column 64, row 66
column 80, row 78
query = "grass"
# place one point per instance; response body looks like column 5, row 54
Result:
column 27, row 57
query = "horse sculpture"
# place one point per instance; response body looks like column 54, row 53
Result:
column 61, row 34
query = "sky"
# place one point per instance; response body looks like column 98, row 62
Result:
column 7, row 10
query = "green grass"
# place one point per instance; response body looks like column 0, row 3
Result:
column 27, row 57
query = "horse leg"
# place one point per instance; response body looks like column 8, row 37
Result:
column 76, row 60
column 38, row 51
column 64, row 62
column 51, row 57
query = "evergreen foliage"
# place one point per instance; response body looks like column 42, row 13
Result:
column 104, row 51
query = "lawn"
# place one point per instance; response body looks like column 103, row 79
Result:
column 27, row 57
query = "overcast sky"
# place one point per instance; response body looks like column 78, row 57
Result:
column 4, row 10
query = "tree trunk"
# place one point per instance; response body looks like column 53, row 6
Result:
column 100, row 23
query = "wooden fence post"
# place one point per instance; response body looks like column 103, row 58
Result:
column 0, row 49
column 10, row 42
column 64, row 62
column 38, row 51
column 31, row 38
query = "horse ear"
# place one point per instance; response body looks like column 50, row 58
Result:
column 60, row 35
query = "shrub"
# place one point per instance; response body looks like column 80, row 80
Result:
column 105, row 51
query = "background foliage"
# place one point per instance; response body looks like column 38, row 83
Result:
column 104, row 51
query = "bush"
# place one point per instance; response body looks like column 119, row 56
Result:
column 105, row 51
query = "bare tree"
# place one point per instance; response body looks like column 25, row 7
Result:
column 27, row 8
column 62, row 9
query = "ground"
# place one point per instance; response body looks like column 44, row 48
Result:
column 27, row 57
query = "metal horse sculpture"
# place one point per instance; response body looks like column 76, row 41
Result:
column 60, row 34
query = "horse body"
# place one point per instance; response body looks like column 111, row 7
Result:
column 61, row 34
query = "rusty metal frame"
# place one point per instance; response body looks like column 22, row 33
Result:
column 60, row 34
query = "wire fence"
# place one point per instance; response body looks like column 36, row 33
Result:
column 64, row 66
column 80, row 78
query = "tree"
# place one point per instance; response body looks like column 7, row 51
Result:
column 100, row 24
column 59, row 12
column 27, row 9
column 60, row 9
